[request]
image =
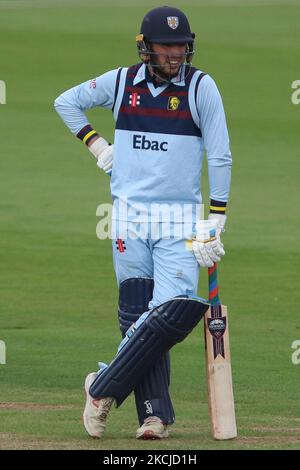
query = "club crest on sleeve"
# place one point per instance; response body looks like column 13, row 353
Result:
column 173, row 22
column 93, row 83
column 134, row 100
column 173, row 103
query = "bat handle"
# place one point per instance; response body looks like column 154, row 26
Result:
column 214, row 298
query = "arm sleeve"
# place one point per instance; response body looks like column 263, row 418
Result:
column 216, row 139
column 72, row 104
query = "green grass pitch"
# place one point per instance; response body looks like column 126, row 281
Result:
column 58, row 295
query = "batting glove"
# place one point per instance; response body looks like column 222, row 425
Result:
column 219, row 220
column 104, row 153
column 207, row 246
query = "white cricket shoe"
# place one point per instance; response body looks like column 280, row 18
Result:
column 95, row 411
column 152, row 428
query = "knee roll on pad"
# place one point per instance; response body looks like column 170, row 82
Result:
column 134, row 296
column 165, row 326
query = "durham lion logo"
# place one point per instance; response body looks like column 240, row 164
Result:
column 173, row 103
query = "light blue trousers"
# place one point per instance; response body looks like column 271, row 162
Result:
column 169, row 261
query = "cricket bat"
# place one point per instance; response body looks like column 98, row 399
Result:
column 218, row 365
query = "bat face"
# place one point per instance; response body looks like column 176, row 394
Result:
column 219, row 377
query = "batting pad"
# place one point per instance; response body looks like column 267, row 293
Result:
column 152, row 396
column 165, row 326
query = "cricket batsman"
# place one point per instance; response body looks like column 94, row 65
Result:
column 166, row 113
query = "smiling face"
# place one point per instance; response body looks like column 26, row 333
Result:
column 167, row 59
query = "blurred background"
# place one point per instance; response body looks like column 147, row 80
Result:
column 58, row 295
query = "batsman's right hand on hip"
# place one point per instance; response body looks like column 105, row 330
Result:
column 104, row 153
column 207, row 246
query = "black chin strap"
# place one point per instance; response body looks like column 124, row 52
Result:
column 152, row 78
column 157, row 80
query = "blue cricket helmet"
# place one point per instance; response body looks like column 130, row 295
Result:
column 166, row 25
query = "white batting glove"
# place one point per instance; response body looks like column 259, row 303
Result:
column 104, row 153
column 207, row 246
column 219, row 220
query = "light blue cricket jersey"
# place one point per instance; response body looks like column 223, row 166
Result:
column 160, row 136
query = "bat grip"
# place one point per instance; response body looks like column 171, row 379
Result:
column 213, row 285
